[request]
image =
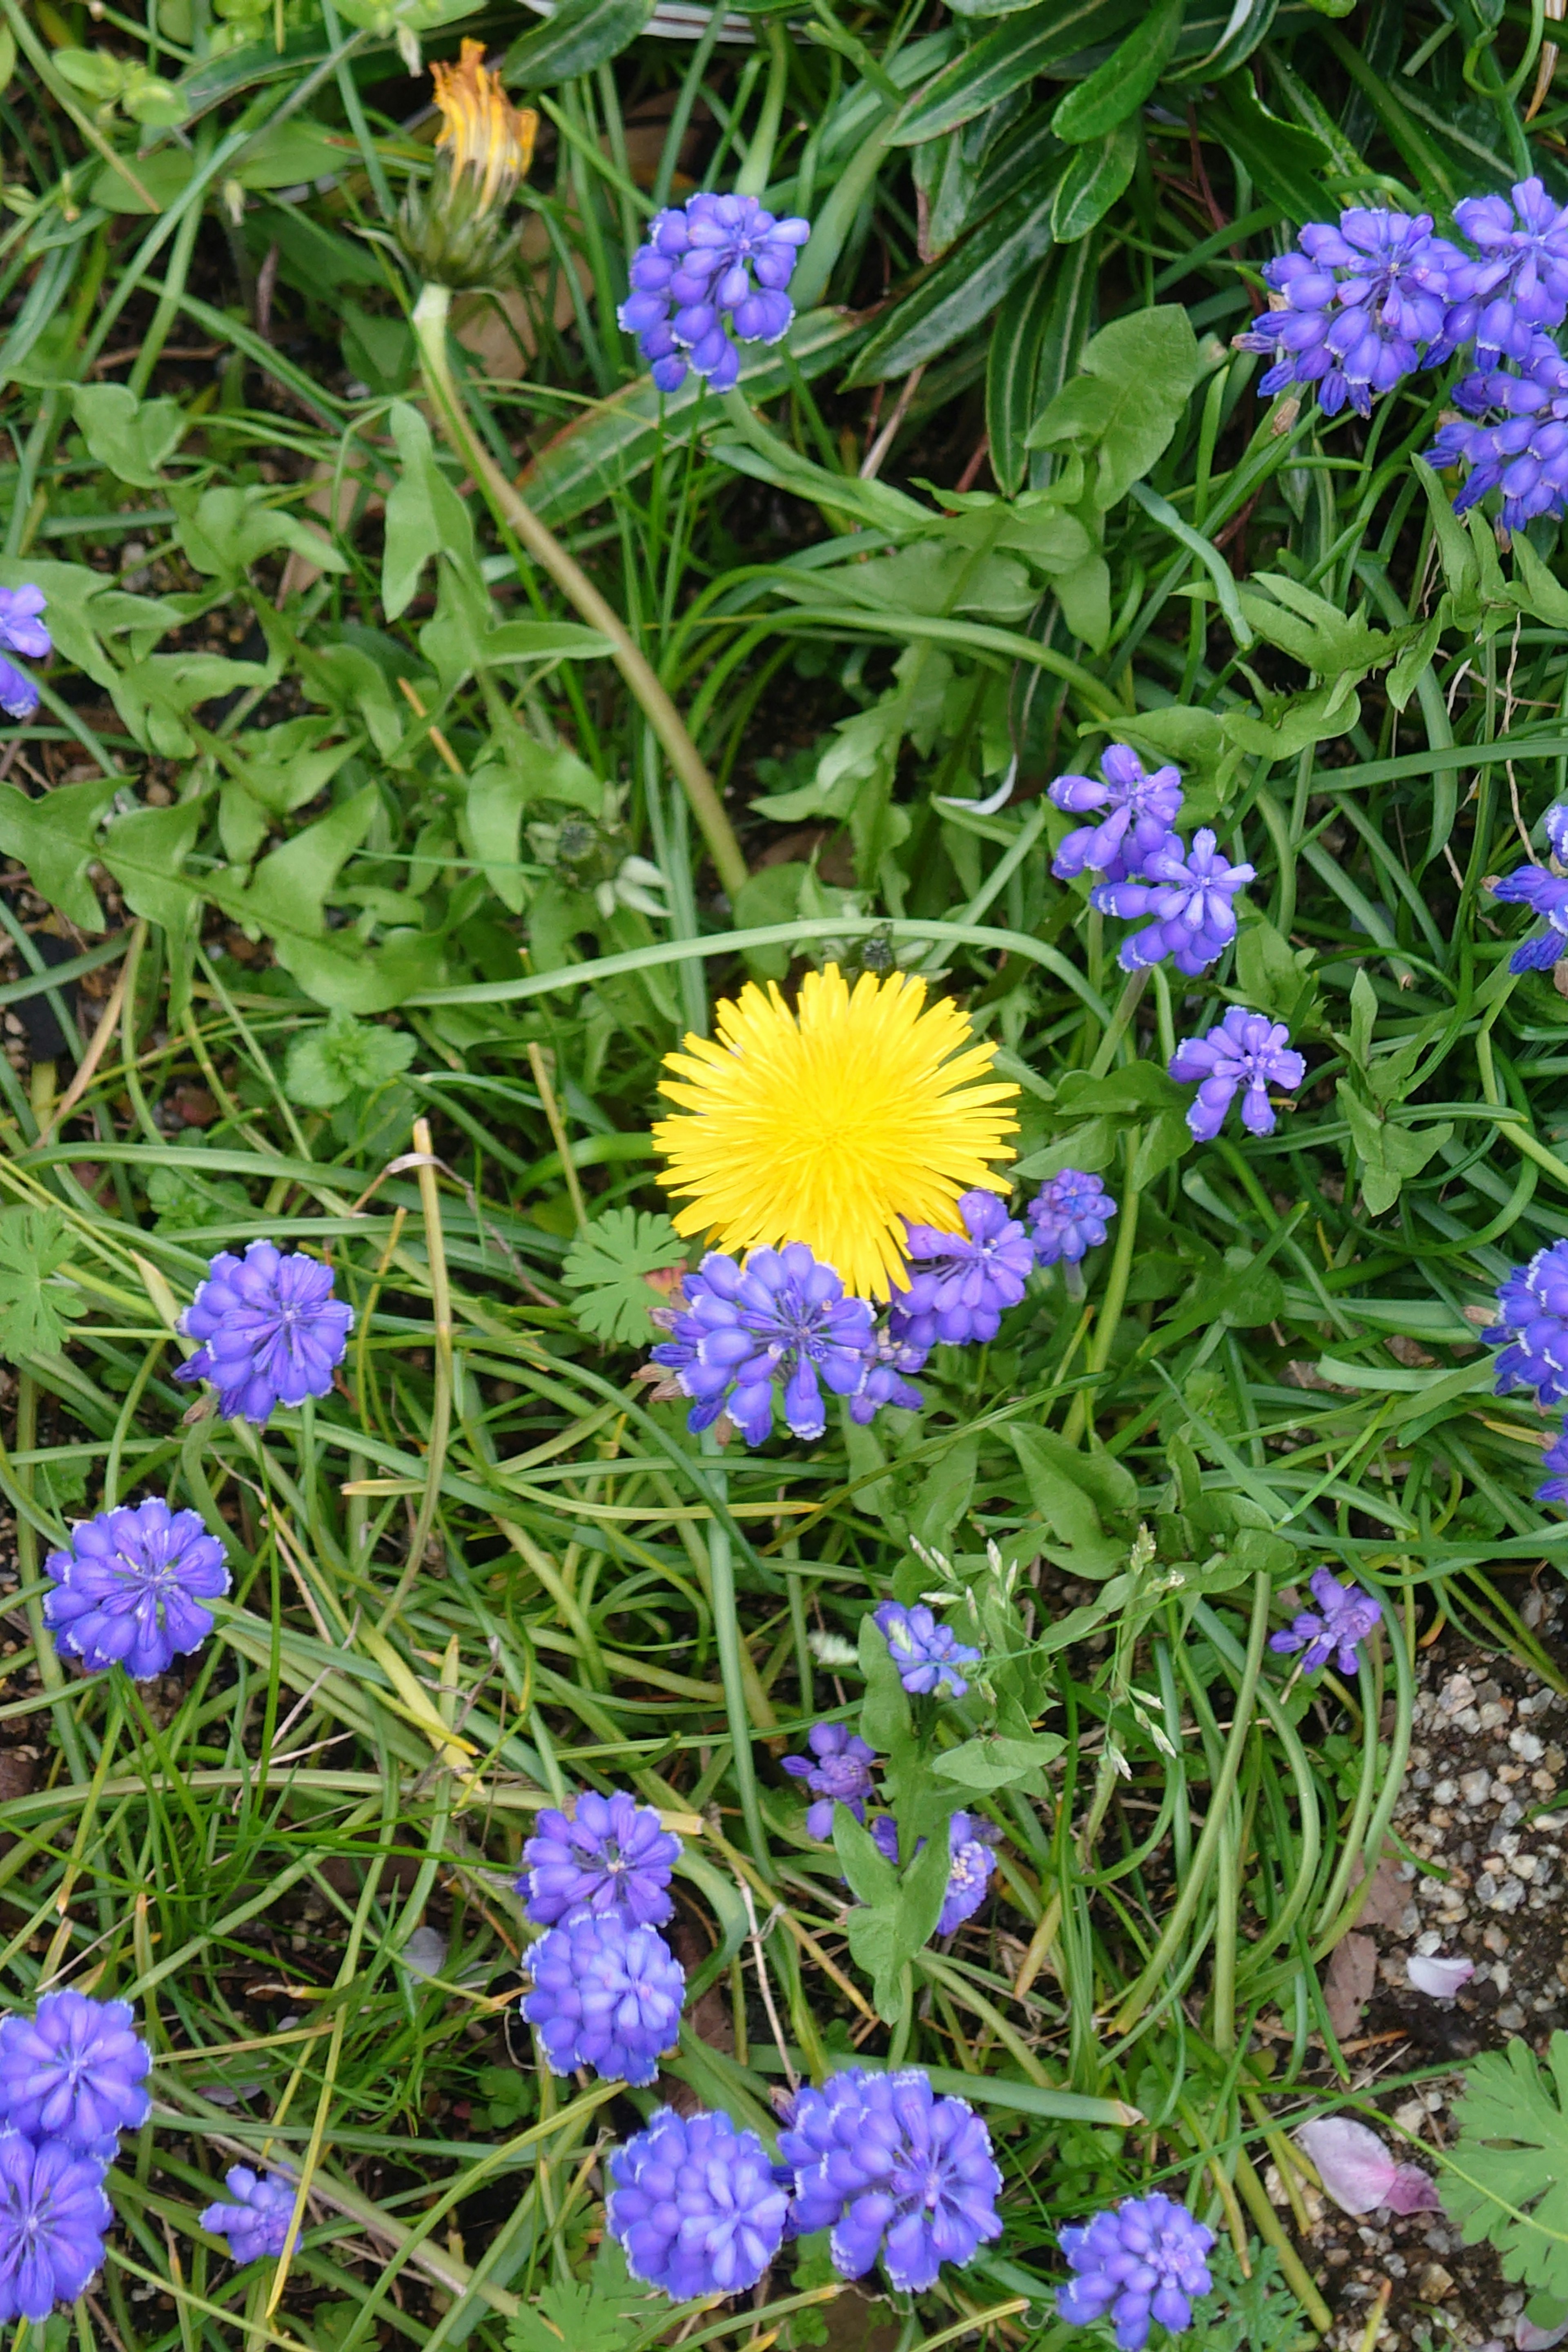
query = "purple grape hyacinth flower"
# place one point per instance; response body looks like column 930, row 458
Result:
column 783, row 1318
column 1068, row 1217
column 711, row 272
column 970, row 1842
column 612, row 1854
column 74, row 2071
column 271, row 1331
column 1344, row 1616
column 1554, row 1489
column 883, row 1381
column 928, row 1656
column 1245, row 1050
column 1144, row 2259
column 1513, row 436
column 604, row 1995
column 1545, row 893
column 891, row 2169
column 695, row 2206
column 1188, row 893
column 1141, row 810
column 1518, row 284
column 130, row 1588
column 256, row 2223
column 21, row 631
column 1357, row 308
column 1554, row 824
column 838, row 1772
column 1532, row 1305
column 53, row 2215
column 960, row 1284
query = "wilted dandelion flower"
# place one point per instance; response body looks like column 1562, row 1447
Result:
column 837, row 1123
column 452, row 229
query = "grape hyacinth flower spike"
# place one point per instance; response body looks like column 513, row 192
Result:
column 712, row 273
column 1245, row 1054
column 1519, row 282
column 695, row 2206
column 1545, row 894
column 1141, row 810
column 21, row 631
column 1512, row 436
column 271, row 1331
column 612, row 1855
column 1189, row 895
column 783, row 1317
column 1147, row 2259
column 1554, row 1489
column 74, row 2071
column 928, row 1656
column 53, row 2215
column 1068, row 1216
column 1532, row 1307
column 960, row 1284
column 1358, row 306
column 130, row 1588
column 604, row 1995
column 256, row 2223
column 838, row 1772
column 891, row 2169
column 1344, row 1616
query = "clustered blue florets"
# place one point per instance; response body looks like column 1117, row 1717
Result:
column 1145, row 867
column 611, row 1855
column 696, row 2206
column 928, row 1656
column 21, row 631
column 1532, row 1307
column 271, row 1331
column 838, row 1772
column 960, row 1284
column 1245, row 1054
column 606, row 1996
column 1357, row 308
column 1141, row 810
column 711, row 274
column 256, row 2223
column 1145, row 2260
column 1545, row 893
column 71, row 2080
column 130, row 1588
column 1068, row 1216
column 1344, row 1616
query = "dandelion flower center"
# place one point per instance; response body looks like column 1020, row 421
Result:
column 837, row 1124
column 482, row 133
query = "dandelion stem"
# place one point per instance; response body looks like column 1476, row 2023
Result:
column 430, row 326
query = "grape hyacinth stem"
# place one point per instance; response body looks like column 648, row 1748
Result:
column 430, row 314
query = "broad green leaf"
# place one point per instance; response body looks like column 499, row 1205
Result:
column 1011, row 368
column 1288, row 165
column 575, row 2316
column 1119, row 87
column 154, row 696
column 1389, row 1154
column 964, row 287
column 343, row 1056
column 83, row 612
column 1217, row 35
column 56, row 838
column 425, row 516
column 579, row 36
column 1005, row 60
column 987, row 1764
column 1096, row 176
column 871, row 1877
column 1119, row 412
column 610, row 1264
column 1542, row 593
column 144, row 850
column 132, row 438
column 1507, row 2177
column 499, row 792
column 287, row 893
column 1271, row 975
column 1289, row 723
column 1333, row 644
column 33, row 1245
column 225, row 529
column 1058, row 1478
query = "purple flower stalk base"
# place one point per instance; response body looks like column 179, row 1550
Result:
column 711, row 274
column 1545, row 893
column 21, row 631
column 606, row 1996
column 128, row 1591
column 1357, row 308
column 74, row 2073
column 53, row 2215
column 891, row 2169
column 1344, row 1616
column 256, row 2223
column 961, row 1283
column 970, row 1843
column 1189, row 895
column 928, row 1656
column 1068, row 1217
column 1140, row 811
column 838, row 1772
column 1246, row 1054
column 1145, row 2260
column 612, row 1855
column 1532, row 1307
column 782, row 1319
column 271, row 1331
column 695, row 2206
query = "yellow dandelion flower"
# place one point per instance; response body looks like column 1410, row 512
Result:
column 834, row 1123
column 483, row 135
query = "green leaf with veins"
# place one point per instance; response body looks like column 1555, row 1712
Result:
column 326, row 1064
column 1507, row 2177
column 574, row 2316
column 33, row 1245
column 610, row 1262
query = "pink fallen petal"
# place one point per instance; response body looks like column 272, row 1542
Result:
column 1438, row 1977
column 1528, row 2338
column 1354, row 2166
column 1411, row 2191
